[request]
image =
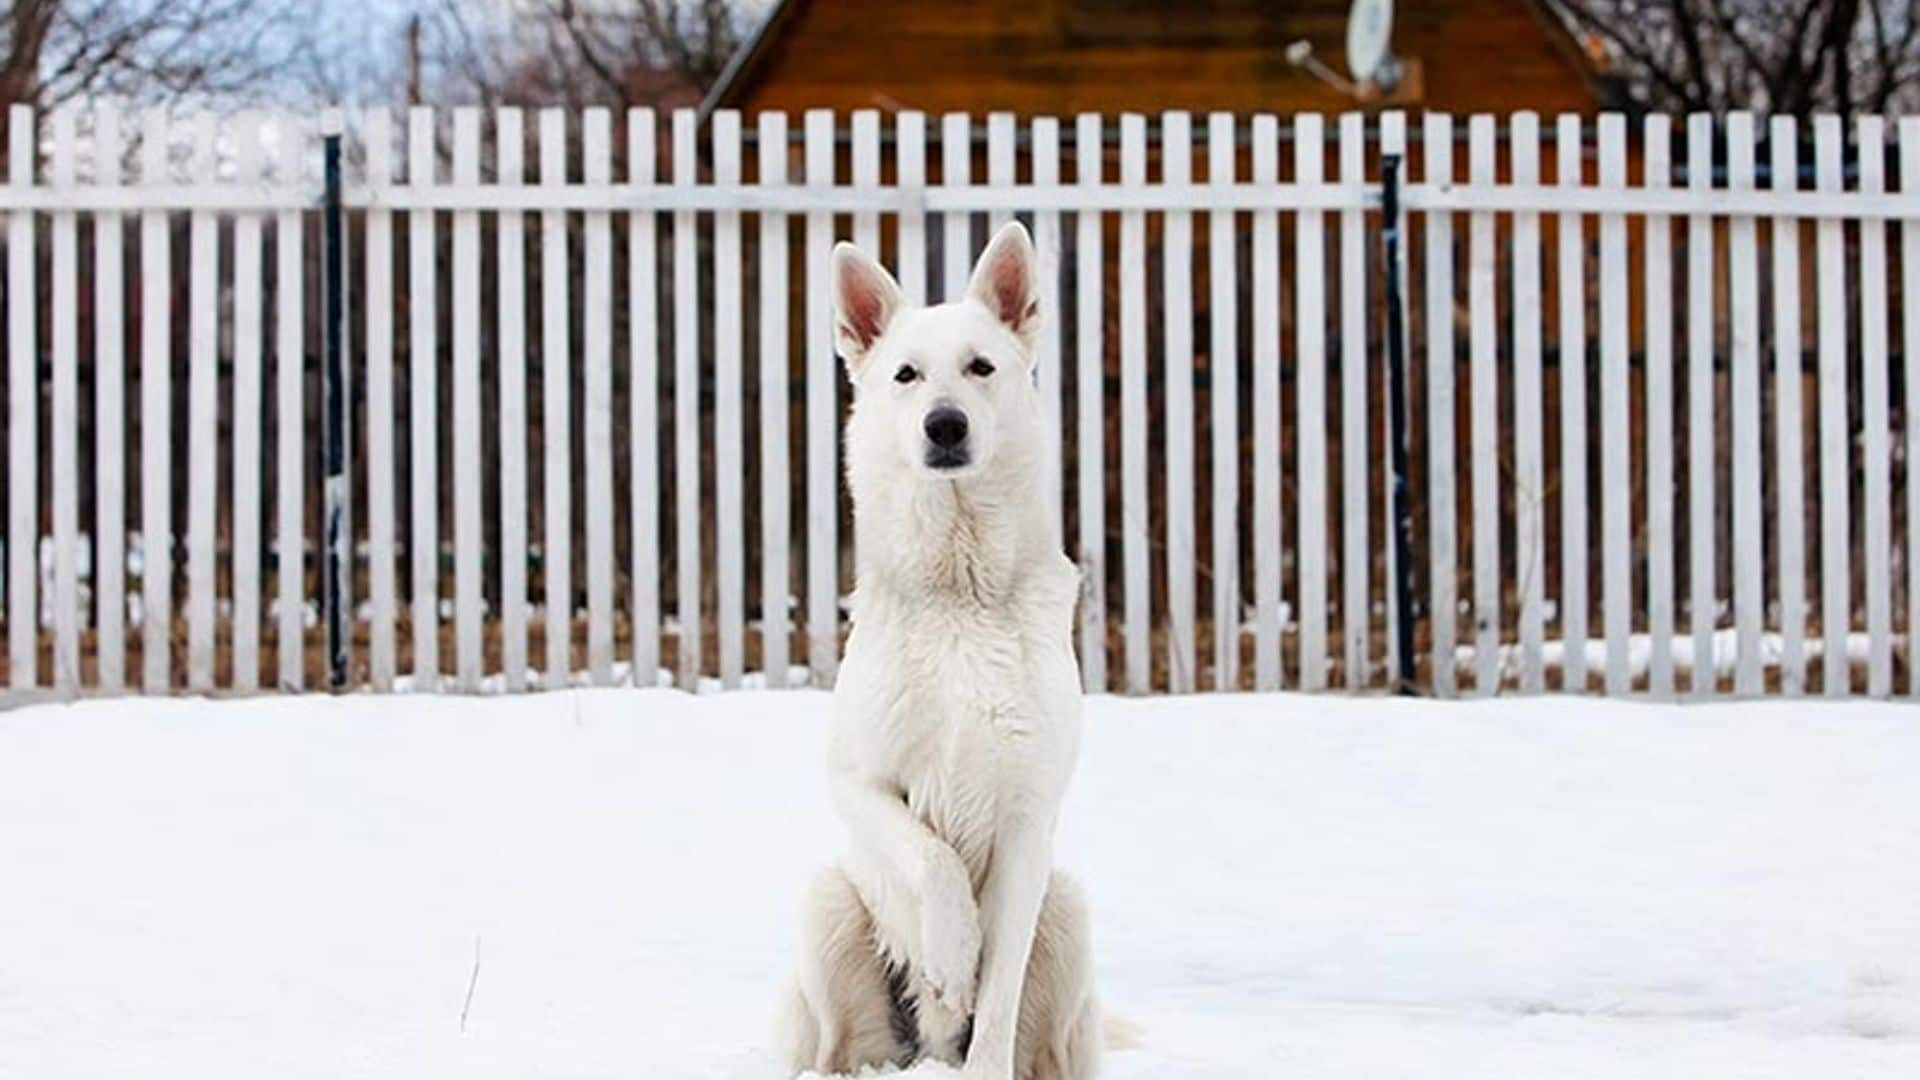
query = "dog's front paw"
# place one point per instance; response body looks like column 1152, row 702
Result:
column 950, row 948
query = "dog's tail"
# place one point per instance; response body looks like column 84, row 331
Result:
column 1119, row 1033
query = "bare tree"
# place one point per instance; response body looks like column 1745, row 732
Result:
column 53, row 51
column 1780, row 56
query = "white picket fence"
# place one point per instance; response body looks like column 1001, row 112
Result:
column 1259, row 397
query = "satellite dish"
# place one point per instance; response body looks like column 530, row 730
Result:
column 1369, row 31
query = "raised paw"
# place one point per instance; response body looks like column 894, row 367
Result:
column 950, row 948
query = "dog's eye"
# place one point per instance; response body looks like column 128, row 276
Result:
column 980, row 366
column 905, row 375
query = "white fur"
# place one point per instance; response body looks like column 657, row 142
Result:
column 957, row 711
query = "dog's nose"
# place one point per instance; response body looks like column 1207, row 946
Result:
column 946, row 427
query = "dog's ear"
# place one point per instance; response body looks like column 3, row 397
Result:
column 865, row 298
column 1007, row 281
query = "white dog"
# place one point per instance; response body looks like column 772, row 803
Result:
column 946, row 933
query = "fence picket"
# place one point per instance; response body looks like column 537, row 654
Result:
column 1870, row 138
column 1744, row 328
column 910, row 166
column 1701, row 539
column 1393, row 144
column 1573, row 416
column 1223, row 369
column 290, row 370
column 203, row 428
column 556, row 409
column 1045, row 150
column 1789, row 452
column 775, row 517
column 1354, row 373
column 1836, row 577
column 1310, row 401
column 1000, row 160
column 686, row 406
column 823, row 421
column 248, row 361
column 956, row 170
column 597, row 406
column 23, row 411
column 1266, row 413
column 423, row 404
column 1484, row 414
column 729, row 393
column 865, row 132
column 643, row 398
column 64, row 416
column 1090, row 377
column 156, row 411
column 381, row 527
column 1616, row 527
column 1441, row 462
column 1176, row 274
column 1134, row 512
column 510, row 296
column 467, row 536
column 109, row 389
column 1529, row 483
column 1910, row 348
column 1661, row 538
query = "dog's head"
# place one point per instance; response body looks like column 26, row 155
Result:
column 945, row 390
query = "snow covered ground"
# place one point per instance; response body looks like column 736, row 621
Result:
column 602, row 884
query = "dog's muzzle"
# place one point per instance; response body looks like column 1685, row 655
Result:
column 946, row 429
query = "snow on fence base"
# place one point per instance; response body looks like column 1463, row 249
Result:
column 1660, row 321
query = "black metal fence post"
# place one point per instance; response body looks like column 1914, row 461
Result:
column 334, row 564
column 1403, row 612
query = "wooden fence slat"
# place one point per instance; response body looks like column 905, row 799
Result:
column 1571, row 243
column 423, row 406
column 1529, row 480
column 1310, row 401
column 1836, row 576
column 864, row 125
column 1616, row 501
column 686, row 404
column 1910, row 349
column 510, row 295
column 556, row 409
column 1661, row 537
column 1749, row 586
column 729, row 394
column 156, row 409
column 1484, row 413
column 203, row 380
column 956, row 169
column 1176, row 275
column 1000, row 160
column 109, row 389
column 1354, row 374
column 1789, row 451
column 23, row 411
column 1442, row 539
column 775, row 517
column 1870, row 138
column 597, row 405
column 64, row 416
column 643, row 398
column 1702, row 542
column 1090, row 360
column 823, row 420
column 1266, row 413
column 1223, row 369
column 290, row 371
column 1393, row 142
column 1045, row 151
column 910, row 148
column 1134, row 511
column 248, row 361
column 466, row 407
column 381, row 526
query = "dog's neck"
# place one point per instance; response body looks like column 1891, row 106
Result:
column 978, row 541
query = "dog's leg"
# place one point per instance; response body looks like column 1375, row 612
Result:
column 1059, row 1020
column 917, row 889
column 841, row 1015
column 1010, row 908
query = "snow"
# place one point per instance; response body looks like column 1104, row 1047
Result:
column 603, row 882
